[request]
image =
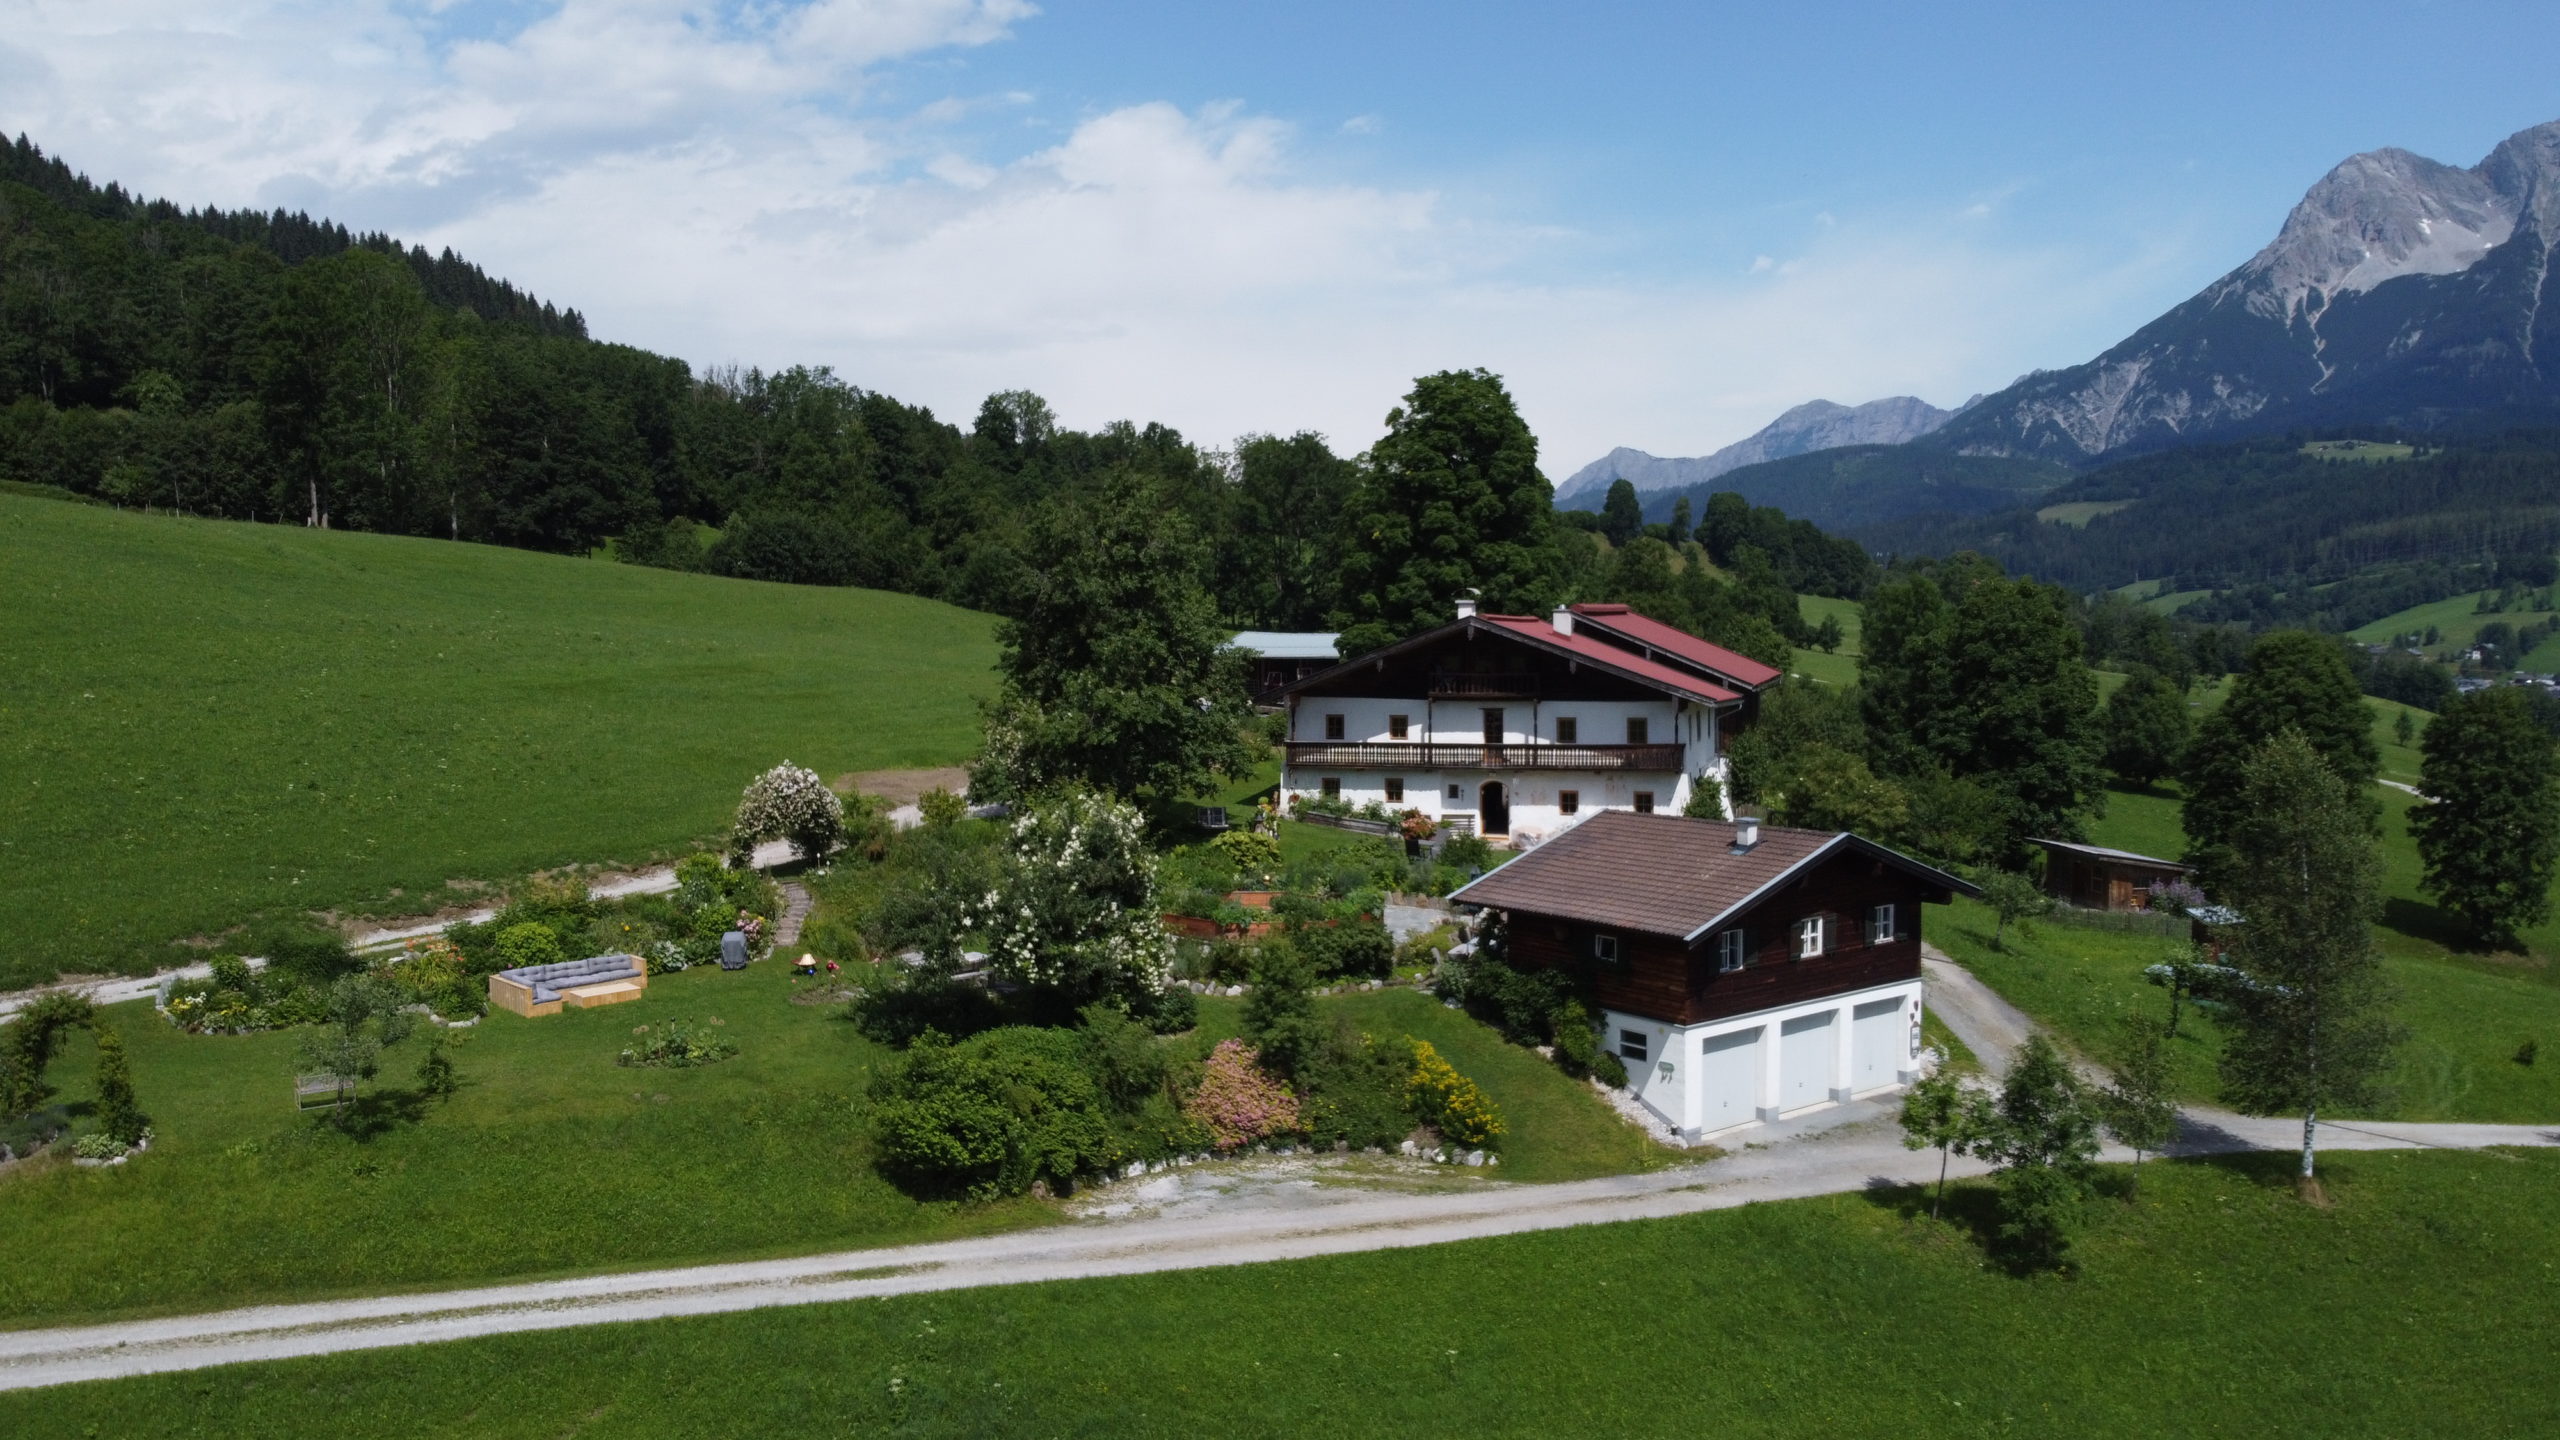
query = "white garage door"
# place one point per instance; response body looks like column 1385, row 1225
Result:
column 1806, row 1052
column 1879, row 1044
column 1731, row 1073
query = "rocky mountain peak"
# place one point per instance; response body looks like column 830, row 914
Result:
column 2375, row 217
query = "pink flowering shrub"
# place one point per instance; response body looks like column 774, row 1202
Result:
column 1237, row 1101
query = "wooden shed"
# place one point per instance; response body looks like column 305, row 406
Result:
column 2094, row 877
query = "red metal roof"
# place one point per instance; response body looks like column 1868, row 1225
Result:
column 1626, row 662
column 1645, row 630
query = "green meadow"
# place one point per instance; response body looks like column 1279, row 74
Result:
column 242, row 1199
column 2419, row 1301
column 203, row 722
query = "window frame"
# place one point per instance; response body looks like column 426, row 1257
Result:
column 1330, row 787
column 1395, row 789
column 1733, row 951
column 1568, row 730
column 1812, row 937
column 1643, row 802
column 1605, row 947
column 1639, row 730
column 1634, row 1045
column 1399, row 727
column 1568, row 802
column 1333, row 727
column 1881, row 923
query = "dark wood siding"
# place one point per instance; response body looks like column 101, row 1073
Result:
column 1663, row 979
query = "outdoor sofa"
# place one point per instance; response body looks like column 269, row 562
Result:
column 578, row 984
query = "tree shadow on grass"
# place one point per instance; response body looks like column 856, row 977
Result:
column 1971, row 1212
column 2420, row 921
column 370, row 1116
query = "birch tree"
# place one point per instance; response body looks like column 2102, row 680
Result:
column 2310, row 1025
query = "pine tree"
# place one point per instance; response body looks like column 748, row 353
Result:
column 118, row 1116
column 1621, row 514
column 2309, row 1027
column 2489, row 831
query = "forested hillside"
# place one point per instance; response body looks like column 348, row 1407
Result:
column 2301, row 532
column 278, row 368
column 1854, row 486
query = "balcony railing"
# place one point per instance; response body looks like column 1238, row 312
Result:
column 1441, row 755
column 1457, row 685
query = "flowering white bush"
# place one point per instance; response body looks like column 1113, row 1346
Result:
column 1075, row 906
column 789, row 802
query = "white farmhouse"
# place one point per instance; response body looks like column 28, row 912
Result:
column 1518, row 726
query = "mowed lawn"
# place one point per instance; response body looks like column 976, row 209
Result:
column 202, row 721
column 2467, row 1016
column 2418, row 1303
column 554, row 1160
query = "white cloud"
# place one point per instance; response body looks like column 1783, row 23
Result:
column 717, row 184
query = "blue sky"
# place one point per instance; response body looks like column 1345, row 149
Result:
column 1662, row 223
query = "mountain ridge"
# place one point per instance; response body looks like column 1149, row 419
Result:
column 1813, row 425
column 2400, row 291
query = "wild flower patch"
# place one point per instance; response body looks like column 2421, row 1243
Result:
column 678, row 1045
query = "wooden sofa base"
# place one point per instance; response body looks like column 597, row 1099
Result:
column 515, row 996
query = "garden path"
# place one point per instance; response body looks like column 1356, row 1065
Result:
column 658, row 880
column 1298, row 1216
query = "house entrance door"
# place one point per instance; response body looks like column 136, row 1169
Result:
column 1493, row 810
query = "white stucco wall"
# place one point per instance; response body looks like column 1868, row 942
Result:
column 1535, row 795
column 1679, row 1097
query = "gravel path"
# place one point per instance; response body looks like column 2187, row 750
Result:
column 1312, row 1208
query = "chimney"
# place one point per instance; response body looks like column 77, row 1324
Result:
column 1746, row 833
column 1563, row 620
column 1467, row 606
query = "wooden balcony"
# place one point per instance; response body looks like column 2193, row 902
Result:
column 1417, row 755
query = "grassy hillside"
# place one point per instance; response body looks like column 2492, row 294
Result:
column 2460, row 622
column 2216, row 1305
column 1841, row 666
column 201, row 721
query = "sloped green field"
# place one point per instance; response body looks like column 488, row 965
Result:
column 203, row 721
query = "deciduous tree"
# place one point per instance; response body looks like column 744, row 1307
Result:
column 2489, row 829
column 2146, row 727
column 2310, row 1027
column 1451, row 501
column 1115, row 671
column 2296, row 681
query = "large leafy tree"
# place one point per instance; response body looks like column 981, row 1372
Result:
column 1979, row 677
column 2489, row 832
column 1451, row 502
column 1284, row 559
column 1115, row 670
column 2309, row 1026
column 2146, row 727
column 2295, row 681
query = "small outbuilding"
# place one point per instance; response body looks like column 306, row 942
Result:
column 2094, row 877
column 1282, row 658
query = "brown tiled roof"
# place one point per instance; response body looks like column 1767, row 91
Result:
column 1660, row 874
column 1671, row 640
